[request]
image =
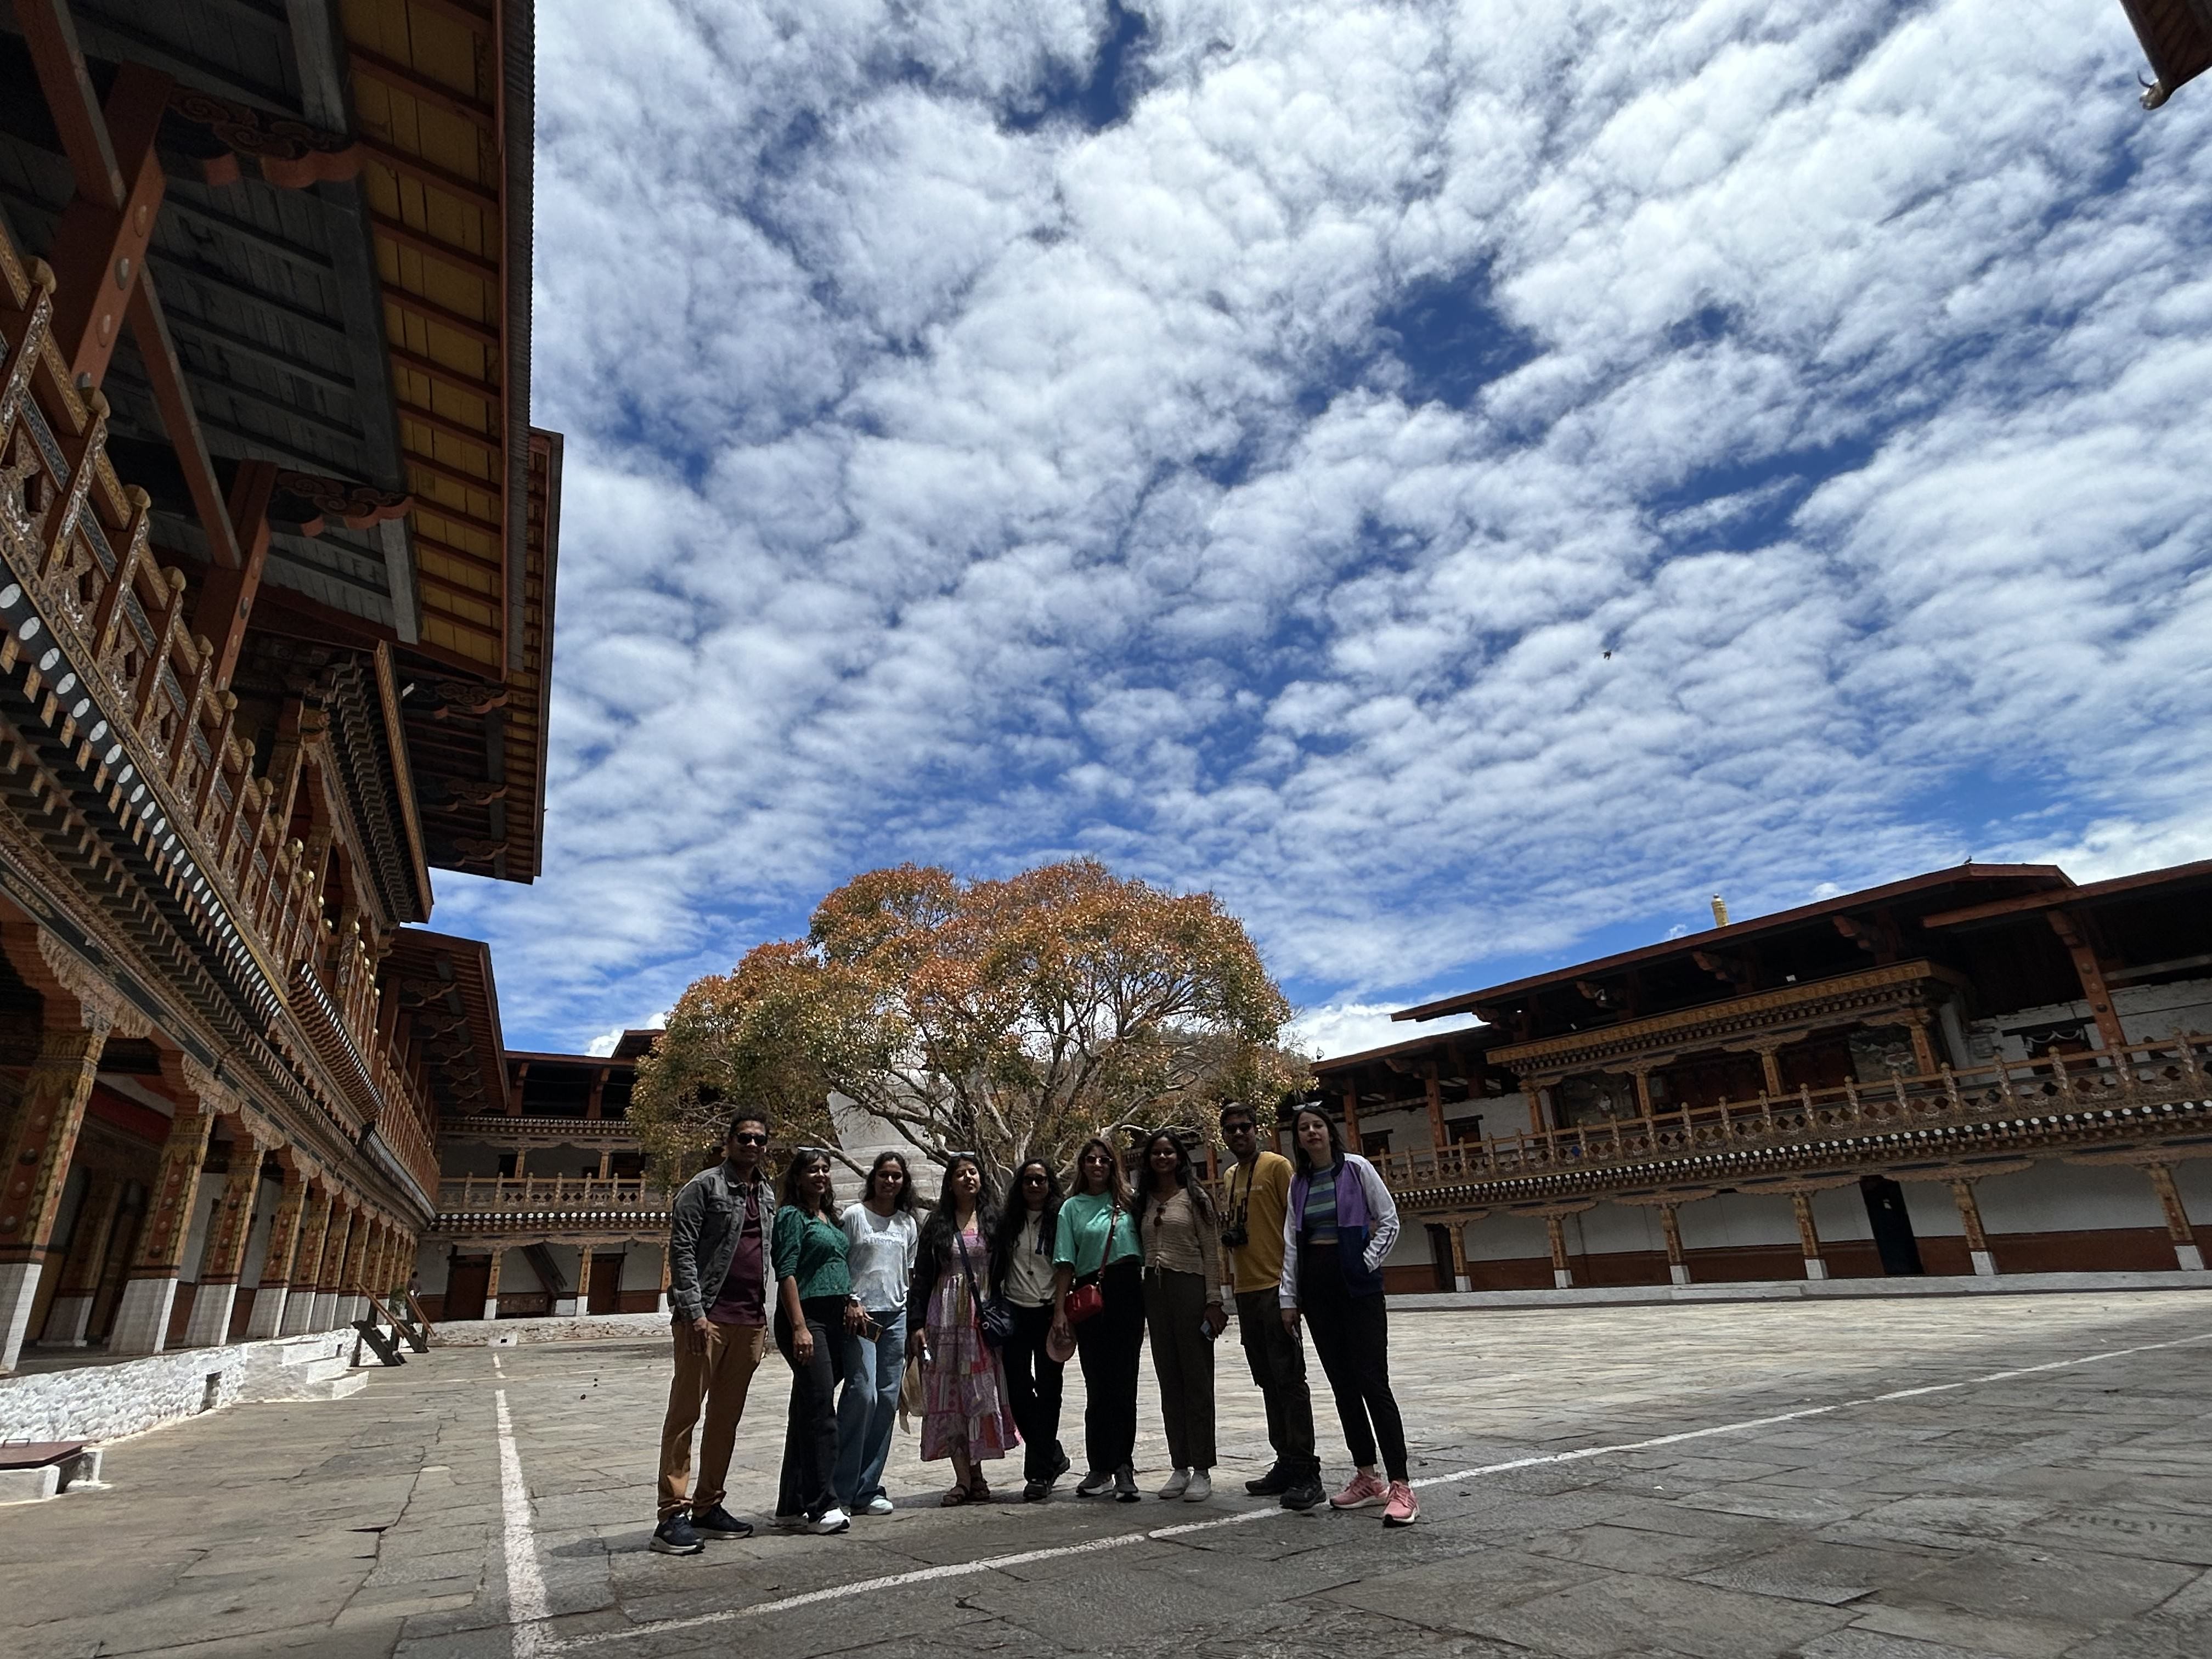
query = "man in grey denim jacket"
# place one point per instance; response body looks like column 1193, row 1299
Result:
column 718, row 1284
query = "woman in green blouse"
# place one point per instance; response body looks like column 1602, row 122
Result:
column 1096, row 1245
column 815, row 1305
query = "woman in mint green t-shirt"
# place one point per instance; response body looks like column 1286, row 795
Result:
column 1096, row 1245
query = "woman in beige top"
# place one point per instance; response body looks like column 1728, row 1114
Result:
column 1180, row 1231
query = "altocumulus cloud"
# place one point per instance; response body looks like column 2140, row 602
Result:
column 1230, row 439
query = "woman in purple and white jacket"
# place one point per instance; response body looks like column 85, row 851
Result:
column 1340, row 1224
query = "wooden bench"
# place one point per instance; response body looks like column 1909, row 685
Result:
column 32, row 1469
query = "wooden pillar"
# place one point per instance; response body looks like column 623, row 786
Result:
column 1916, row 1022
column 606, row 1161
column 344, row 1216
column 1808, row 1237
column 2186, row 1255
column 1678, row 1266
column 1969, row 1217
column 1770, row 1066
column 352, row 1276
column 224, row 1256
column 1461, row 1281
column 1352, row 1116
column 1563, row 1276
column 1434, row 1088
column 2075, row 937
column 41, row 1143
column 491, row 1281
column 69, row 1315
column 308, row 1262
column 1643, row 1076
column 269, row 1296
column 595, row 1106
column 583, row 1280
column 149, row 1291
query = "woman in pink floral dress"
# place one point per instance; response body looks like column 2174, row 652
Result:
column 966, row 1417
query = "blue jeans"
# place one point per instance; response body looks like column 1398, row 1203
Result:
column 867, row 1410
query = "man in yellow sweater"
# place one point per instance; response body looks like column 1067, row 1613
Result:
column 1255, row 1193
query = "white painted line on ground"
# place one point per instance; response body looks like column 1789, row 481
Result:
column 525, row 1586
column 498, row 1369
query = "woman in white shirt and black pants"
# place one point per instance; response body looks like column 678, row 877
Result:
column 883, row 1235
column 1021, row 1267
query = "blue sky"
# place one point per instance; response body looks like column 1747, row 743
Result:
column 1227, row 438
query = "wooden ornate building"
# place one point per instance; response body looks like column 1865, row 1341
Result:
column 544, row 1207
column 279, row 546
column 1987, row 1069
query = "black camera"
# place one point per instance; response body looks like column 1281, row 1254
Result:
column 1235, row 1235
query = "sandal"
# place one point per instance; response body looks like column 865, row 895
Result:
column 979, row 1491
column 953, row 1499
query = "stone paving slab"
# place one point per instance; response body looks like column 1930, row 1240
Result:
column 2065, row 1512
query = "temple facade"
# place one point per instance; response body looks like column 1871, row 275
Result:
column 544, row 1209
column 1984, row 1070
column 280, row 546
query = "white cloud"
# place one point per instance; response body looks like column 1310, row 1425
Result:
column 949, row 482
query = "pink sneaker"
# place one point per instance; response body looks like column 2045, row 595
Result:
column 1403, row 1509
column 1365, row 1492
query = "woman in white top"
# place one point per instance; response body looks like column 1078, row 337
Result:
column 882, row 1232
column 1021, row 1267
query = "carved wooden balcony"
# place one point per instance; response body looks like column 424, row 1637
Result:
column 2147, row 1091
column 124, row 709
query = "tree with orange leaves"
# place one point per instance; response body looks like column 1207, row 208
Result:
column 1007, row 1017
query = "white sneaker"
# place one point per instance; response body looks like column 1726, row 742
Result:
column 1201, row 1487
column 1175, row 1484
column 832, row 1519
column 879, row 1504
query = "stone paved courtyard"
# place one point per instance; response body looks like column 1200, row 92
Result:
column 2062, row 1510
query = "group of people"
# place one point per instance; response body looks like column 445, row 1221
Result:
column 986, row 1302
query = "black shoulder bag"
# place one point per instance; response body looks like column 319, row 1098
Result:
column 994, row 1320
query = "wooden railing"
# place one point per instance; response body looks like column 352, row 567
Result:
column 546, row 1195
column 2170, row 1070
column 129, row 691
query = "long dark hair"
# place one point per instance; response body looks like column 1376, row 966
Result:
column 801, row 1161
column 1298, row 1148
column 1186, row 1176
column 1016, row 1215
column 905, row 1198
column 938, row 1251
column 1117, row 1185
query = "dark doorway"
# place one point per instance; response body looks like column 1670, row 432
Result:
column 467, row 1278
column 1440, row 1254
column 606, row 1285
column 1893, row 1226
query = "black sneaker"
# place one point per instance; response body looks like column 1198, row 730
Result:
column 719, row 1522
column 1125, row 1485
column 1096, row 1484
column 674, row 1536
column 1035, row 1491
column 1273, row 1484
column 1304, row 1493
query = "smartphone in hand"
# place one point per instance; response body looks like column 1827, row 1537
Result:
column 1205, row 1329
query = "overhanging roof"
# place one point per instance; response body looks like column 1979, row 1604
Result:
column 2173, row 877
column 446, row 983
column 2037, row 876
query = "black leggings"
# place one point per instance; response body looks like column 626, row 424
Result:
column 810, row 1434
column 1109, row 1343
column 1033, row 1390
column 1352, row 1335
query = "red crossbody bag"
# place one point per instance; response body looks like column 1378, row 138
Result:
column 1087, row 1298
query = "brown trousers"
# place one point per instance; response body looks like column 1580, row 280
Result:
column 1183, row 1360
column 719, row 1377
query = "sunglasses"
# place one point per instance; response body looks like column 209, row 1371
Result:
column 749, row 1140
column 1037, row 1181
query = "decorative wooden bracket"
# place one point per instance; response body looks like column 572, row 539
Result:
column 311, row 500
column 216, row 132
